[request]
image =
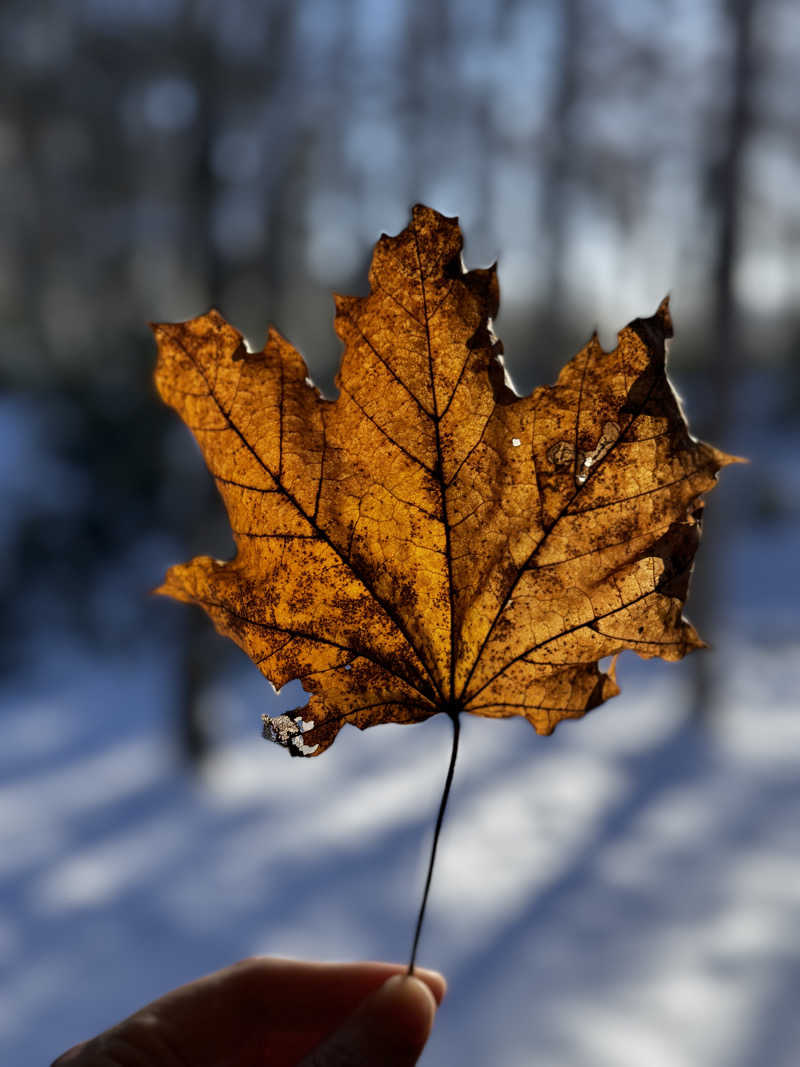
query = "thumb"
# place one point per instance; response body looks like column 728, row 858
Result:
column 389, row 1029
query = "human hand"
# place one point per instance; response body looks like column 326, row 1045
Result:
column 277, row 1013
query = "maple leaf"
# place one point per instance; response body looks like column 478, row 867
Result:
column 429, row 541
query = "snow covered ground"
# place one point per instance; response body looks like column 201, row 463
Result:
column 622, row 893
column 625, row 893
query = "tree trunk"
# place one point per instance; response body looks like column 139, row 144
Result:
column 725, row 361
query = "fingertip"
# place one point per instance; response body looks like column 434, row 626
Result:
column 403, row 1009
column 389, row 1028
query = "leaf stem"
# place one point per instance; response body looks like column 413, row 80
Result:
column 455, row 718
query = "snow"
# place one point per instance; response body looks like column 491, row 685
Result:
column 625, row 891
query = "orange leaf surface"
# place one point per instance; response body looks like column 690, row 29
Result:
column 430, row 541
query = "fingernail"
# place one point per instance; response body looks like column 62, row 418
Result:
column 435, row 980
column 405, row 1005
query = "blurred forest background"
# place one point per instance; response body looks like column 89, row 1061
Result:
column 625, row 892
column 162, row 156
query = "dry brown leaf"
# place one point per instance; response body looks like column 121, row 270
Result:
column 429, row 541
